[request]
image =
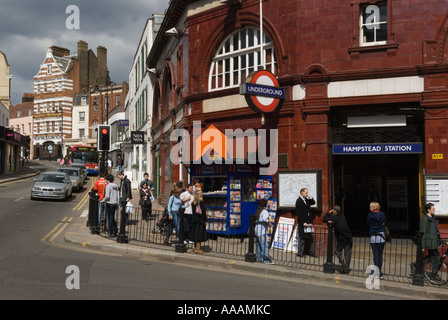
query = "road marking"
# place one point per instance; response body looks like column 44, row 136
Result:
column 50, row 237
column 18, row 199
column 84, row 213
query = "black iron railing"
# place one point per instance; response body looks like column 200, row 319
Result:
column 399, row 256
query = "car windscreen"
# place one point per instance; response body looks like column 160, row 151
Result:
column 52, row 178
column 69, row 172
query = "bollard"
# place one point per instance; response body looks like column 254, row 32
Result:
column 92, row 221
column 180, row 246
column 122, row 237
column 417, row 276
column 329, row 265
column 250, row 255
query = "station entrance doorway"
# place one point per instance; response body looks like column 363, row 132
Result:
column 391, row 180
column 378, row 155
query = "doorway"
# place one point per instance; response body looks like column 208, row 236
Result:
column 390, row 179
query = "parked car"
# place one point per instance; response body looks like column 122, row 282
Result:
column 52, row 185
column 75, row 176
column 83, row 169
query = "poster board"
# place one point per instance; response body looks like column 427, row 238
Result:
column 290, row 183
column 436, row 192
column 293, row 245
column 283, row 233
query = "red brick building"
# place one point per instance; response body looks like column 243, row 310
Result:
column 366, row 95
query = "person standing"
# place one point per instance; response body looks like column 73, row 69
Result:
column 304, row 223
column 125, row 192
column 147, row 181
column 376, row 221
column 431, row 235
column 145, row 202
column 112, row 199
column 343, row 235
column 173, row 207
column 261, row 231
column 119, row 163
column 100, row 187
column 187, row 198
column 198, row 231
column 109, row 166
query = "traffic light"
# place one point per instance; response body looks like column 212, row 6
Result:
column 104, row 138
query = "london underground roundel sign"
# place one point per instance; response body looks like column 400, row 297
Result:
column 262, row 92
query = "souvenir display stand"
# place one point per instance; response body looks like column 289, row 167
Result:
column 230, row 195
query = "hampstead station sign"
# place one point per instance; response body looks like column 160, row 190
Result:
column 378, row 148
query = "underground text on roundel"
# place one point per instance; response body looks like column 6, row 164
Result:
column 227, row 309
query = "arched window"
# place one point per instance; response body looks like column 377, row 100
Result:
column 238, row 56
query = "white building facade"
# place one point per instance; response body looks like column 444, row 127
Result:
column 139, row 106
column 80, row 125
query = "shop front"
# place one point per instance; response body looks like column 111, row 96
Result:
column 2, row 149
column 11, row 152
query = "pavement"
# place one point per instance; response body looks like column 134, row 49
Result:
column 77, row 235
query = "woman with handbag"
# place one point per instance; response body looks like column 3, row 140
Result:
column 376, row 221
column 145, row 201
column 198, row 231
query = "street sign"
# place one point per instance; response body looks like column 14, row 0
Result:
column 123, row 123
column 262, row 92
column 137, row 137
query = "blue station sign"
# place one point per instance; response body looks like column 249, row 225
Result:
column 378, row 148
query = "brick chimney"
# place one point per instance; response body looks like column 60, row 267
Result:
column 27, row 97
column 59, row 51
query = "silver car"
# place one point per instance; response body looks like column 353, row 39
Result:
column 83, row 170
column 75, row 176
column 52, row 185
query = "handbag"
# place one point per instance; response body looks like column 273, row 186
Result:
column 387, row 233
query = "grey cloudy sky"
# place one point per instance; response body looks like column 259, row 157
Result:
column 29, row 27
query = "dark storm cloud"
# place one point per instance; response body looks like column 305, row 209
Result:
column 29, row 27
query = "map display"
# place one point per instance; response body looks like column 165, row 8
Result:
column 437, row 193
column 290, row 183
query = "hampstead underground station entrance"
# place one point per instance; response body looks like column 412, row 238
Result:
column 379, row 158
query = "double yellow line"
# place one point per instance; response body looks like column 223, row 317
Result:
column 50, row 236
column 85, row 198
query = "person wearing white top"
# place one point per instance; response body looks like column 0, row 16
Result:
column 261, row 231
column 187, row 198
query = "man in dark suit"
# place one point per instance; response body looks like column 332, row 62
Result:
column 125, row 196
column 125, row 188
column 304, row 223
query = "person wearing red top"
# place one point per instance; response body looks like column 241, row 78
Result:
column 100, row 187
